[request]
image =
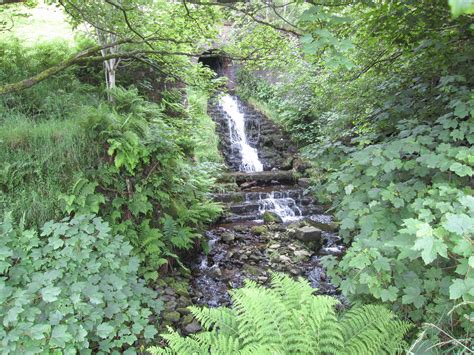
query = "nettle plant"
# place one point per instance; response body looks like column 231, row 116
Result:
column 73, row 287
column 407, row 207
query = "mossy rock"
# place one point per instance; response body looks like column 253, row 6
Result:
column 172, row 316
column 271, row 217
column 251, row 269
column 258, row 230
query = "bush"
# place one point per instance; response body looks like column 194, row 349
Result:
column 151, row 191
column 288, row 319
column 72, row 287
column 406, row 204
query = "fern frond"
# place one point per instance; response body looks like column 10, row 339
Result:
column 221, row 317
column 288, row 319
column 369, row 330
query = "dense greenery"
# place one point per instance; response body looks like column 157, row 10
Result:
column 73, row 286
column 288, row 319
column 390, row 139
column 105, row 131
column 149, row 191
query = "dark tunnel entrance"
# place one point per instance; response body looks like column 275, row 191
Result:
column 214, row 61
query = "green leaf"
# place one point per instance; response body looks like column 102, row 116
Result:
column 461, row 169
column 430, row 248
column 459, row 223
column 460, row 288
column 39, row 331
column 389, row 294
column 149, row 332
column 413, row 296
column 104, row 330
column 50, row 293
column 60, row 336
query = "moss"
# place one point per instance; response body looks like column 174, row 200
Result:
column 269, row 217
column 258, row 230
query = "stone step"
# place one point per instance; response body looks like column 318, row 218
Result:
column 261, row 178
column 260, row 193
column 252, row 216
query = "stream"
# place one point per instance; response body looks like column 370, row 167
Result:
column 241, row 246
column 270, row 224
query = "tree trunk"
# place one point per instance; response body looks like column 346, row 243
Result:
column 110, row 65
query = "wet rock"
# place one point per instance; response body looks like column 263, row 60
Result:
column 187, row 319
column 250, row 269
column 271, row 217
column 248, row 184
column 228, row 237
column 300, row 166
column 240, row 228
column 258, row 230
column 215, row 271
column 193, row 327
column 302, row 253
column 169, row 291
column 277, row 228
column 304, row 182
column 183, row 310
column 172, row 316
column 336, row 251
column 308, row 234
column 295, row 271
column 327, row 227
column 284, row 259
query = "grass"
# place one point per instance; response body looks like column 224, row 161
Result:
column 36, row 24
column 40, row 160
column 207, row 149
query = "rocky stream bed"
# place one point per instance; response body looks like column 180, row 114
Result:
column 271, row 223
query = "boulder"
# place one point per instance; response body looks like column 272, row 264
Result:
column 258, row 230
column 172, row 316
column 327, row 227
column 193, row 327
column 308, row 234
column 228, row 237
column 304, row 182
column 271, row 217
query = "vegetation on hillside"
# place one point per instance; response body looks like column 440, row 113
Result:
column 108, row 156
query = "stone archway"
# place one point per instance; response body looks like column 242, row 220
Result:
column 220, row 63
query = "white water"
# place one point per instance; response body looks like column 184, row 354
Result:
column 236, row 119
column 286, row 208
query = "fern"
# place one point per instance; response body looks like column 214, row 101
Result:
column 288, row 319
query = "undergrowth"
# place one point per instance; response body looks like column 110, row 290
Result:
column 287, row 318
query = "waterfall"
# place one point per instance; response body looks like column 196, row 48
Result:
column 285, row 207
column 238, row 138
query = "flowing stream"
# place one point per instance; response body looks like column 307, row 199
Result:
column 236, row 120
column 285, row 207
column 239, row 248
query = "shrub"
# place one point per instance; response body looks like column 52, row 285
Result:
column 74, row 286
column 288, row 319
column 406, row 204
column 150, row 191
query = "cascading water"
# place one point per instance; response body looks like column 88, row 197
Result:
column 236, row 120
column 285, row 207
